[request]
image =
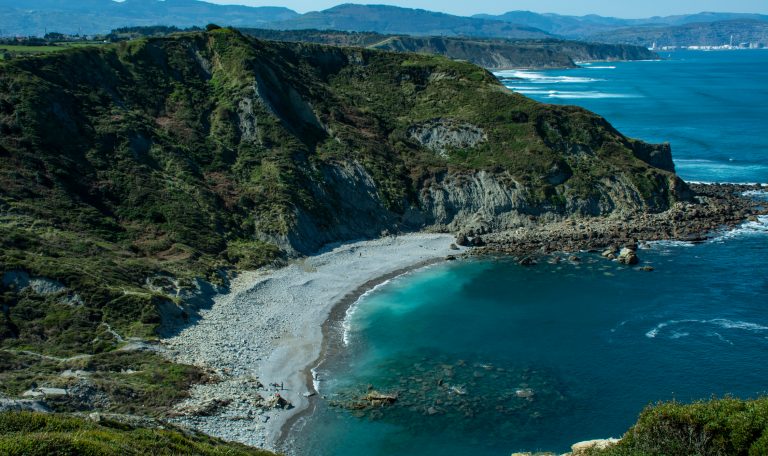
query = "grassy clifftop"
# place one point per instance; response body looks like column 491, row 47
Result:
column 128, row 171
column 32, row 434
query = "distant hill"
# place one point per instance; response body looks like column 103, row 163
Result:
column 395, row 20
column 489, row 53
column 580, row 27
column 35, row 17
column 707, row 34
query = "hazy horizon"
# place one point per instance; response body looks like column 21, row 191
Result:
column 622, row 9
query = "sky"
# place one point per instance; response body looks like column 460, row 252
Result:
column 617, row 8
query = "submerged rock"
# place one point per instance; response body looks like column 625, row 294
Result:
column 527, row 261
column 524, row 393
column 456, row 395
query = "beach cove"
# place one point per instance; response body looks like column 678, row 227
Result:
column 268, row 329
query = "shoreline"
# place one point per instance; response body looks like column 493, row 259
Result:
column 337, row 315
column 270, row 329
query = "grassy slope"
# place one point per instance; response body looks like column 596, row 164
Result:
column 125, row 161
column 33, row 434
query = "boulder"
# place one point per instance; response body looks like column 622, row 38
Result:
column 631, row 246
column 377, row 398
column 23, row 405
column 585, row 448
column 462, row 240
column 628, row 257
column 477, row 241
column 524, row 392
column 279, row 402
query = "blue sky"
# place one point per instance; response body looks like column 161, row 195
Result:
column 619, row 8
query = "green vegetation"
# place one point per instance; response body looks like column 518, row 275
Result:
column 120, row 382
column 33, row 434
column 8, row 51
column 130, row 170
column 717, row 427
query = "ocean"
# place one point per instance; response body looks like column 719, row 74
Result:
column 489, row 357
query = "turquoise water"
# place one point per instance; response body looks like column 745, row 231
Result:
column 489, row 357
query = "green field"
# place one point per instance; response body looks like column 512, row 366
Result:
column 21, row 50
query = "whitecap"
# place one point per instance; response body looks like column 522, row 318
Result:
column 761, row 195
column 540, row 78
column 602, row 67
column 315, row 379
column 671, row 243
column 590, row 95
column 346, row 323
column 758, row 228
column 723, row 339
column 719, row 322
column 725, row 172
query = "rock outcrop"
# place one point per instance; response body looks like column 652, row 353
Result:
column 442, row 135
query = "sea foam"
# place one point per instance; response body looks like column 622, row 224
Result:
column 718, row 322
column 539, row 78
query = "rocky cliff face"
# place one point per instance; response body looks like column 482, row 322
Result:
column 487, row 53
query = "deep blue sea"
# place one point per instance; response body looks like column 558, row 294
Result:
column 711, row 106
column 489, row 357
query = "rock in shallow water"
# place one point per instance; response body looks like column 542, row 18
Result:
column 628, row 256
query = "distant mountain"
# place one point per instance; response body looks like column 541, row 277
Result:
column 34, row 17
column 708, row 34
column 579, row 27
column 395, row 20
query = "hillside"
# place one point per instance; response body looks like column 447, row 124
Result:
column 395, row 20
column 582, row 27
column 34, row 17
column 37, row 434
column 489, row 53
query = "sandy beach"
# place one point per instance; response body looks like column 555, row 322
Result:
column 268, row 330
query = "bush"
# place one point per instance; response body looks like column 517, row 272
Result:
column 718, row 427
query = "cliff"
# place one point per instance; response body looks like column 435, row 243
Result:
column 489, row 53
column 128, row 172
